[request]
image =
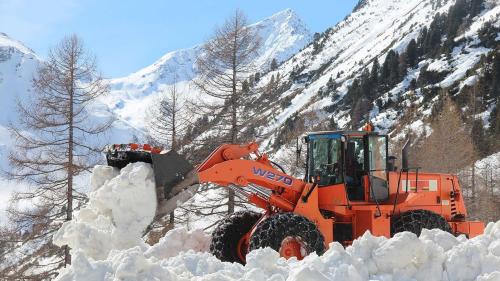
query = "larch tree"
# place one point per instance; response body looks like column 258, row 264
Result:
column 56, row 140
column 167, row 122
column 167, row 125
column 226, row 62
column 449, row 147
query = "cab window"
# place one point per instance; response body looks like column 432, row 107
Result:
column 377, row 153
column 325, row 165
column 355, row 161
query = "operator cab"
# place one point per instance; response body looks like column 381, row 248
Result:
column 356, row 159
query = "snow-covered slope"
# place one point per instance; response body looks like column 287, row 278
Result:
column 345, row 50
column 283, row 34
column 17, row 65
column 350, row 46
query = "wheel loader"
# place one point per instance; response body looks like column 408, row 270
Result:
column 351, row 186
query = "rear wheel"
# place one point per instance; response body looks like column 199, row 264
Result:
column 227, row 237
column 416, row 220
column 289, row 234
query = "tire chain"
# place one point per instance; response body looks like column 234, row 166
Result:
column 228, row 232
column 416, row 220
column 272, row 231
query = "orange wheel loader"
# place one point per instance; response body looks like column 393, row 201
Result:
column 351, row 186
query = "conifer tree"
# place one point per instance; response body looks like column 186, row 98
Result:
column 412, row 53
column 375, row 72
column 274, row 65
column 52, row 144
column 227, row 61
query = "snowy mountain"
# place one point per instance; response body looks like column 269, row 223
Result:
column 283, row 34
column 17, row 65
column 316, row 82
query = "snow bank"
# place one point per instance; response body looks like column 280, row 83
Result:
column 179, row 240
column 122, row 204
column 119, row 201
column 435, row 255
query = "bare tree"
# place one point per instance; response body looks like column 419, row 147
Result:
column 449, row 147
column 53, row 141
column 167, row 121
column 225, row 64
column 167, row 125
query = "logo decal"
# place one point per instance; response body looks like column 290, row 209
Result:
column 272, row 176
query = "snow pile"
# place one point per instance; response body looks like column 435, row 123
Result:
column 106, row 242
column 435, row 255
column 179, row 240
column 122, row 204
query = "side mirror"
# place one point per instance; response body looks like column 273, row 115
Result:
column 404, row 156
column 298, row 147
column 298, row 151
column 391, row 163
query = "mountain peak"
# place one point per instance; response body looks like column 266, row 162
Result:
column 7, row 42
column 282, row 35
column 287, row 15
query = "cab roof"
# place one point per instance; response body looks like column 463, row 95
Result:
column 343, row 132
column 338, row 134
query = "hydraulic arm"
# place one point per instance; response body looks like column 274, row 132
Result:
column 230, row 166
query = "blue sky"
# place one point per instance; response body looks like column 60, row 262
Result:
column 129, row 35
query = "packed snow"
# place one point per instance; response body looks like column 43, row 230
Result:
column 105, row 238
column 122, row 204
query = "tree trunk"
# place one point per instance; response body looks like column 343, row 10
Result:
column 234, row 121
column 173, row 146
column 69, row 191
column 473, row 180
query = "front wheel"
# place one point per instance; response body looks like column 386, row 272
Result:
column 226, row 238
column 289, row 234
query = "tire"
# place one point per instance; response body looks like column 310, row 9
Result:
column 275, row 230
column 416, row 220
column 229, row 231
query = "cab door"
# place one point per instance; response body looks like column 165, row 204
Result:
column 376, row 157
column 325, row 160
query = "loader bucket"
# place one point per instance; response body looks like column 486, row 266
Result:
column 118, row 156
column 170, row 169
column 177, row 177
